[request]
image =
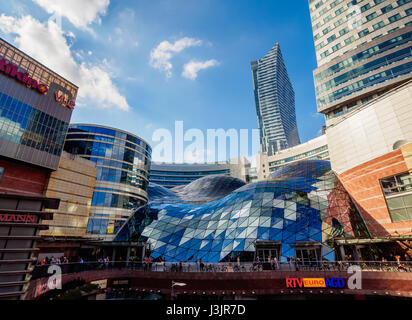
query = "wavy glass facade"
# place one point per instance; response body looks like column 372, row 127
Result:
column 363, row 49
column 122, row 161
column 171, row 175
column 298, row 208
column 275, row 103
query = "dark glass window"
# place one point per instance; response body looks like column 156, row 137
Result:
column 397, row 184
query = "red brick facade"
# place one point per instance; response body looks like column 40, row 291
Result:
column 362, row 182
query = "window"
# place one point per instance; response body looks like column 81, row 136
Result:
column 349, row 40
column 397, row 184
column 408, row 12
column 316, row 26
column 378, row 25
column 371, row 16
column 344, row 31
column 329, row 17
column 338, row 23
column 334, row 4
column 331, row 38
column 324, row 54
column 336, row 47
column 352, row 3
column 1, row 173
column 325, row 31
column 387, row 9
column 378, row 1
column 400, row 208
column 363, row 33
column 394, row 18
column 339, row 11
column 365, row 7
column 401, row 2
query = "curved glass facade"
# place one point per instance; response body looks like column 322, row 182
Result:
column 122, row 162
column 303, row 204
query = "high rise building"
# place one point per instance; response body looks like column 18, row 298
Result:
column 363, row 49
column 275, row 103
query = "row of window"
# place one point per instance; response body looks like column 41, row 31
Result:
column 299, row 156
column 116, row 141
column 363, row 56
column 122, row 177
column 120, row 165
column 105, row 199
column 365, row 83
column 107, row 150
column 110, row 132
column 28, row 126
column 188, row 173
column 363, row 69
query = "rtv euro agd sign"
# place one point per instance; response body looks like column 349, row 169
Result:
column 354, row 281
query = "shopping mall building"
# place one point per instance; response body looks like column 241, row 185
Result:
column 35, row 109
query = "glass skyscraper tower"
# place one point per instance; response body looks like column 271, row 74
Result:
column 275, row 103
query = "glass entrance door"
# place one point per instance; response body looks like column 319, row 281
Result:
column 308, row 255
column 265, row 254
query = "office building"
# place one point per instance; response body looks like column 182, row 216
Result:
column 275, row 103
column 363, row 49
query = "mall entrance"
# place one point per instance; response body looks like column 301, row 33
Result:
column 308, row 253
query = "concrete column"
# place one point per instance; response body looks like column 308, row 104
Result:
column 114, row 254
column 127, row 256
column 143, row 251
column 342, row 252
column 356, row 253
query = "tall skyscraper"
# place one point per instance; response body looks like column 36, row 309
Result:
column 363, row 49
column 275, row 103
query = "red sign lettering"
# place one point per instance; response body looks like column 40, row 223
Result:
column 17, row 218
column 64, row 100
column 13, row 71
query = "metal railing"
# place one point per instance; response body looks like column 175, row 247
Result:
column 41, row 271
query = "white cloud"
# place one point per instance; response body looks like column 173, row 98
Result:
column 161, row 55
column 80, row 13
column 191, row 69
column 47, row 43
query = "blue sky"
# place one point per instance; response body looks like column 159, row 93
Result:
column 112, row 43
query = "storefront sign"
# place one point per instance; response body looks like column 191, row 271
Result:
column 64, row 100
column 13, row 71
column 315, row 283
column 17, row 218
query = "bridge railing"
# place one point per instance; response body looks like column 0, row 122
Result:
column 41, row 271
